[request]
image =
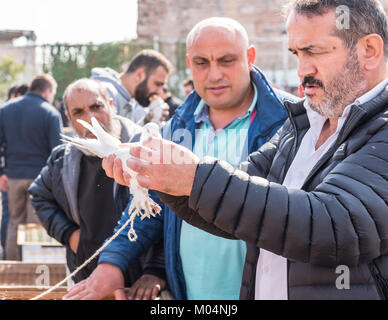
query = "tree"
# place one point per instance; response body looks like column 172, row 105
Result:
column 9, row 72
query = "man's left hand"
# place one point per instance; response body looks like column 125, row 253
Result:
column 147, row 287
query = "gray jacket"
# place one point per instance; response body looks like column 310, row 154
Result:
column 339, row 217
column 126, row 105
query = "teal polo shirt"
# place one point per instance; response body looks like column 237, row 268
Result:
column 213, row 266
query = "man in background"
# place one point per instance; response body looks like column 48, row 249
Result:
column 172, row 101
column 29, row 129
column 188, row 85
column 146, row 75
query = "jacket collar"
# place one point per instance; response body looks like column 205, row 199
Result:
column 268, row 106
column 35, row 96
column 72, row 167
column 358, row 113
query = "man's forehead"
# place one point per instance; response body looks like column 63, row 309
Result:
column 83, row 96
column 306, row 30
column 218, row 42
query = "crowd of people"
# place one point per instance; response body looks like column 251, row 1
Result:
column 263, row 194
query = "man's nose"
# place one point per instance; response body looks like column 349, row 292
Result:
column 88, row 116
column 215, row 73
column 306, row 68
column 159, row 91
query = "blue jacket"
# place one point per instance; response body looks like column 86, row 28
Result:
column 269, row 118
column 30, row 128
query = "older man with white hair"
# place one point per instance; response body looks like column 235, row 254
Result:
column 78, row 204
column 232, row 111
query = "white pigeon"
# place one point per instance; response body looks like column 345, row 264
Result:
column 105, row 145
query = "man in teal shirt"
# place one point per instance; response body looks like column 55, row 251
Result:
column 231, row 113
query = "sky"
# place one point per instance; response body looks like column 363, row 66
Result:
column 72, row 21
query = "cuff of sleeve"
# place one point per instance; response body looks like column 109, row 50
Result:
column 114, row 259
column 204, row 168
column 67, row 234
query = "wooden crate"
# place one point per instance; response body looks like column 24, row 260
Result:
column 38, row 246
column 35, row 234
column 28, row 293
column 22, row 274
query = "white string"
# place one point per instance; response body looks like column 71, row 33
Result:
column 131, row 218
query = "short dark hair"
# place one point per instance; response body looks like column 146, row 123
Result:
column 42, row 82
column 366, row 17
column 149, row 60
column 188, row 82
column 22, row 90
column 12, row 91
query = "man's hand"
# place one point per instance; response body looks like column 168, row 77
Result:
column 165, row 113
column 147, row 287
column 161, row 165
column 4, row 183
column 74, row 240
column 105, row 280
column 164, row 166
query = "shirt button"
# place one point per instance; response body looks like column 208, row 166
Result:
column 266, row 269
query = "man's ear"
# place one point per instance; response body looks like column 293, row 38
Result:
column 67, row 115
column 370, row 51
column 140, row 75
column 251, row 54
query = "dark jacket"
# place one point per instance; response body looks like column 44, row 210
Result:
column 339, row 217
column 29, row 129
column 181, row 129
column 54, row 197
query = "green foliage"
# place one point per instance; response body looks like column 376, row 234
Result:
column 9, row 72
column 67, row 63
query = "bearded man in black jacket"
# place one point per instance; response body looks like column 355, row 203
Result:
column 311, row 203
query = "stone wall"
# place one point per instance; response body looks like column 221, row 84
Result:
column 170, row 20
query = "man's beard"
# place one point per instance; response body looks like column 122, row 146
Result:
column 142, row 94
column 346, row 86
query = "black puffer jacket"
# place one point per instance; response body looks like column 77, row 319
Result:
column 340, row 217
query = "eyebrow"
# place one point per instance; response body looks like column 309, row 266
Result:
column 228, row 55
column 95, row 104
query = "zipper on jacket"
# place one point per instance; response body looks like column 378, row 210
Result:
column 380, row 282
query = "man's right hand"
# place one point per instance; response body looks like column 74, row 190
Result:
column 74, row 240
column 105, row 280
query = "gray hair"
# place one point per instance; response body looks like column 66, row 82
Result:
column 86, row 84
column 365, row 17
column 222, row 22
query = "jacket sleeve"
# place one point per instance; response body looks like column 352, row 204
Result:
column 258, row 164
column 51, row 215
column 120, row 251
column 344, row 220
